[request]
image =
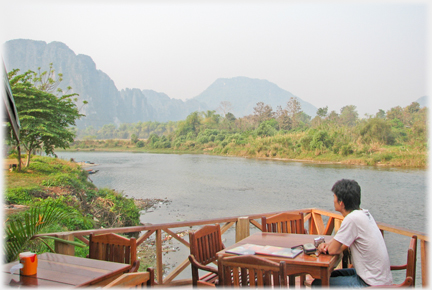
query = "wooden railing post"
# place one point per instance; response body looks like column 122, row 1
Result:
column 63, row 248
column 159, row 269
column 424, row 262
column 242, row 228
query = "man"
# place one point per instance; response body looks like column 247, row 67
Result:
column 360, row 233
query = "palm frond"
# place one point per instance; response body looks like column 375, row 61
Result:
column 19, row 233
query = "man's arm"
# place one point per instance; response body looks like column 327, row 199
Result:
column 332, row 248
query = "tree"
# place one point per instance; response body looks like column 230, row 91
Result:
column 322, row 112
column 45, row 119
column 294, row 108
column 134, row 138
column 225, row 107
column 380, row 114
column 348, row 115
column 283, row 119
column 262, row 112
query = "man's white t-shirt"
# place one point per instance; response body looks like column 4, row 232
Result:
column 361, row 234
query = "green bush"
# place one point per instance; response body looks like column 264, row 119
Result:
column 346, row 150
column 22, row 195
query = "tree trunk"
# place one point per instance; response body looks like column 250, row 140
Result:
column 28, row 157
column 19, row 157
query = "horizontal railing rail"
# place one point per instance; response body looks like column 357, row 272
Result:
column 314, row 222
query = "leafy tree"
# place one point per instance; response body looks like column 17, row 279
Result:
column 322, row 112
column 45, row 119
column 380, row 114
column 378, row 130
column 190, row 125
column 230, row 117
column 348, row 115
column 134, row 138
column 294, row 108
column 285, row 122
column 333, row 117
column 262, row 112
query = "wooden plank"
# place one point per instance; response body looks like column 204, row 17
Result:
column 63, row 248
column 175, row 236
column 227, row 220
column 242, row 228
column 82, row 239
column 159, row 269
column 256, row 224
column 144, row 237
column 402, row 231
column 226, row 227
column 319, row 224
column 183, row 265
column 330, row 226
column 337, row 224
column 424, row 245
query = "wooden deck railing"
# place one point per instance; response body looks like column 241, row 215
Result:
column 314, row 222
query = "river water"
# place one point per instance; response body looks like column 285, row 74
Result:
column 204, row 187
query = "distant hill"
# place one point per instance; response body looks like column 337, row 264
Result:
column 423, row 101
column 105, row 103
column 244, row 93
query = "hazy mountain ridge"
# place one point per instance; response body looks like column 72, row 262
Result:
column 106, row 104
column 244, row 93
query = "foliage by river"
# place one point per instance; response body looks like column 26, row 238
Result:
column 396, row 138
column 48, row 179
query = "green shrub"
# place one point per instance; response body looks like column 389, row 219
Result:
column 346, row 150
column 22, row 195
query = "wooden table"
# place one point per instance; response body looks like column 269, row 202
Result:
column 67, row 271
column 318, row 267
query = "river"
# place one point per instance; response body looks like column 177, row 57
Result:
column 203, row 186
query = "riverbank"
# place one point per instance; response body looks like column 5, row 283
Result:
column 54, row 179
column 388, row 156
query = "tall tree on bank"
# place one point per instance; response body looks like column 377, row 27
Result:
column 45, row 119
column 294, row 109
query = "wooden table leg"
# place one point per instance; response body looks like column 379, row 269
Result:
column 325, row 277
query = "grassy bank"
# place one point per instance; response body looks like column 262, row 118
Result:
column 279, row 147
column 49, row 180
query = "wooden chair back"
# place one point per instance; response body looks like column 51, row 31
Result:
column 204, row 244
column 114, row 248
column 284, row 223
column 251, row 271
column 410, row 267
column 132, row 280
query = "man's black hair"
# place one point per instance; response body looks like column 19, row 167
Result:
column 349, row 192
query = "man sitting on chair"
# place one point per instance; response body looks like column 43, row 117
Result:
column 360, row 233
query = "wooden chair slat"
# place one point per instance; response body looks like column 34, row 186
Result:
column 204, row 244
column 255, row 270
column 114, row 248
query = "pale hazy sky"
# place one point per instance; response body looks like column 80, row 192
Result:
column 371, row 54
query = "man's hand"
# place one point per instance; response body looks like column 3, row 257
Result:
column 323, row 248
column 332, row 248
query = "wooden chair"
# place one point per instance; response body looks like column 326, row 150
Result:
column 251, row 270
column 204, row 244
column 114, row 248
column 410, row 267
column 285, row 223
column 130, row 280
